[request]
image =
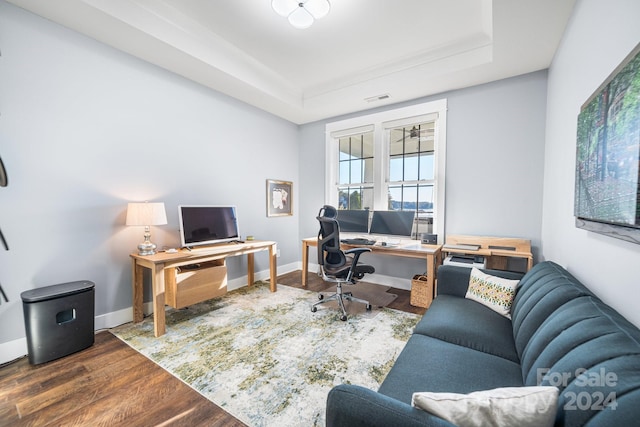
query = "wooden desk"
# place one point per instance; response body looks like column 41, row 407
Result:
column 163, row 263
column 432, row 254
column 497, row 250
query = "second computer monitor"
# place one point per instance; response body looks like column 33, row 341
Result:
column 355, row 221
column 396, row 223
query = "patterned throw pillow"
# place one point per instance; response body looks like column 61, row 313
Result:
column 509, row 406
column 494, row 292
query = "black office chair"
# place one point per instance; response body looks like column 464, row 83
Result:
column 337, row 266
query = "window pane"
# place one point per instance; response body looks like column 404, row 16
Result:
column 396, row 147
column 395, row 168
column 411, row 153
column 411, row 168
column 426, row 166
column 356, row 146
column 355, row 198
column 356, row 171
column 425, row 197
column 368, row 171
column 344, row 149
column 411, row 146
column 367, row 198
column 356, row 154
column 367, row 145
column 409, row 197
column 344, row 172
column 395, row 198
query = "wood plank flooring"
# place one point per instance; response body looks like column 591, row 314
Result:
column 111, row 384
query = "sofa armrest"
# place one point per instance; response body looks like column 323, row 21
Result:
column 354, row 406
column 454, row 280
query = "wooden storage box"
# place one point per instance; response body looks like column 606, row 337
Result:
column 190, row 285
column 421, row 292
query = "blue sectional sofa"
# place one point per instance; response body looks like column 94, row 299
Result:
column 559, row 334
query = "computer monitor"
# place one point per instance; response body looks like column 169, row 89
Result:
column 395, row 223
column 356, row 221
column 207, row 224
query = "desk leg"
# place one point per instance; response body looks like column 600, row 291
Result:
column 251, row 263
column 431, row 273
column 137, row 284
column 305, row 263
column 273, row 267
column 157, row 285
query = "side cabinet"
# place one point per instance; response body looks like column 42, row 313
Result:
column 195, row 283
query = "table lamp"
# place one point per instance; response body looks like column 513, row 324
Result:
column 146, row 214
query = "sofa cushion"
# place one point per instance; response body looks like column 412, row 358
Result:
column 506, row 406
column 492, row 291
column 469, row 324
column 541, row 292
column 431, row 364
column 592, row 354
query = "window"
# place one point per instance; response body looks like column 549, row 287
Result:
column 392, row 160
column 355, row 182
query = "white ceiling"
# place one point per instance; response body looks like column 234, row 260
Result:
column 362, row 49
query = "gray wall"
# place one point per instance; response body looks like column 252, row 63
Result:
column 495, row 153
column 84, row 129
column 599, row 36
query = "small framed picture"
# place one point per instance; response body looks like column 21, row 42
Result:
column 3, row 175
column 279, row 198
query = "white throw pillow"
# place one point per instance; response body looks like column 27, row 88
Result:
column 494, row 292
column 509, row 406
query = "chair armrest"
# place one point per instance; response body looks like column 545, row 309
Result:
column 356, row 252
column 354, row 406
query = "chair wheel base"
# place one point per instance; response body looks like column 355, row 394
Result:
column 368, row 307
column 343, row 318
column 314, row 309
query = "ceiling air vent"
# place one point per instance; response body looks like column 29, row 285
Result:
column 377, row 98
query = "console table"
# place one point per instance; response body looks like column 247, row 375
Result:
column 432, row 254
column 497, row 250
column 174, row 281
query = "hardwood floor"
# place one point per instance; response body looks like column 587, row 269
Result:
column 111, row 384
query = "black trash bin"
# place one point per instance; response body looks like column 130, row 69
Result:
column 59, row 320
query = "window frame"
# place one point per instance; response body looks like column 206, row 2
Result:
column 381, row 124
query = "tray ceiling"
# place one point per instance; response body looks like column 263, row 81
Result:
column 363, row 54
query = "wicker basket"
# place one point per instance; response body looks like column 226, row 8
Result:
column 421, row 292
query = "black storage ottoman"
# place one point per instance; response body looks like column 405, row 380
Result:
column 59, row 320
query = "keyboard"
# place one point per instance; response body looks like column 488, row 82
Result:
column 358, row 241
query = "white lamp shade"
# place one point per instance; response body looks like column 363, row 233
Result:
column 146, row 214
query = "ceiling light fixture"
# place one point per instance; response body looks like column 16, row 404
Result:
column 301, row 13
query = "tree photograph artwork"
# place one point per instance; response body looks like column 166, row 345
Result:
column 607, row 185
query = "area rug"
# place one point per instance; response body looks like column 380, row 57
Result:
column 266, row 358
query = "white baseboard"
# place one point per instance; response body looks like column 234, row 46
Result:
column 12, row 350
column 15, row 349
